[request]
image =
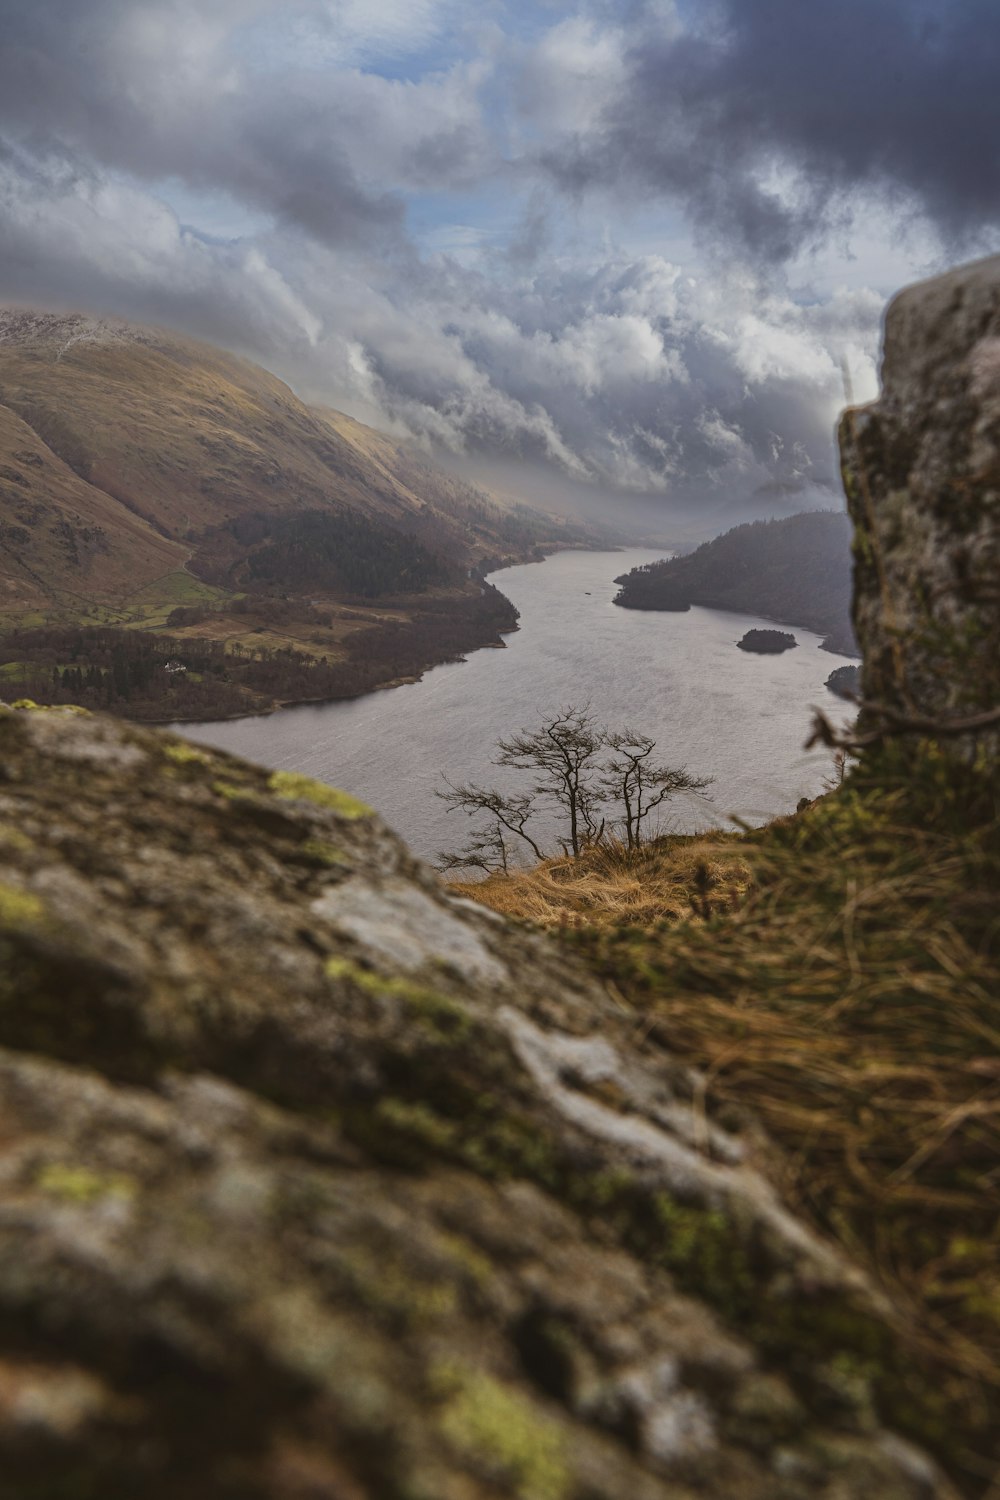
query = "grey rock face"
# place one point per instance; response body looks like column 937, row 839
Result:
column 316, row 1184
column 922, row 473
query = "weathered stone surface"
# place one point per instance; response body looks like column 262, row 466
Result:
column 315, row 1182
column 922, row 472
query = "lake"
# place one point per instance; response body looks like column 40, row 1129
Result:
column 722, row 712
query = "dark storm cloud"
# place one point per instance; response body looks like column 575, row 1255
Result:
column 544, row 340
column 770, row 118
column 162, row 89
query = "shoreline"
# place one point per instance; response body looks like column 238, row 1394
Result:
column 828, row 640
column 394, row 682
column 378, row 687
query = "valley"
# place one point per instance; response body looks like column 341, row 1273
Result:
column 180, row 535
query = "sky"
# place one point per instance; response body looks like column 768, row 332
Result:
column 618, row 252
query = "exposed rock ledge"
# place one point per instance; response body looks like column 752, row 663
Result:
column 317, row 1183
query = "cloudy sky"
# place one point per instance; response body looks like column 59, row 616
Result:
column 610, row 248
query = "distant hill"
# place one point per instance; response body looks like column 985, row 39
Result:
column 796, row 571
column 152, row 482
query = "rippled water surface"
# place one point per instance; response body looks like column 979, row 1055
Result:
column 679, row 677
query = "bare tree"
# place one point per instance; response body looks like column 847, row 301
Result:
column 595, row 780
column 505, row 812
column 632, row 779
column 486, row 851
column 564, row 755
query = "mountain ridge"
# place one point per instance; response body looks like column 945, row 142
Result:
column 149, row 481
column 794, row 571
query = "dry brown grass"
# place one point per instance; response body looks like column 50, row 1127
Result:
column 851, row 1002
column 610, row 886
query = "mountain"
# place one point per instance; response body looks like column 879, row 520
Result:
column 796, row 571
column 149, row 482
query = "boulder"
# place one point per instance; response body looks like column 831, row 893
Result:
column 319, row 1184
column 922, row 471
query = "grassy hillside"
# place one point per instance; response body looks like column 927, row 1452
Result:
column 796, row 571
column 151, row 483
column 610, row 886
column 836, row 974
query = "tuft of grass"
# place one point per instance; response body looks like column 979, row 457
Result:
column 667, row 880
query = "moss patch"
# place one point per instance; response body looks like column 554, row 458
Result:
column 230, row 791
column 438, row 1013
column 416, row 1124
column 292, row 787
column 319, row 852
column 182, row 754
column 28, row 705
column 502, row 1435
column 78, row 1184
column 19, row 908
column 13, row 838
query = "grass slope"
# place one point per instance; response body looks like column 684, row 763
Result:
column 848, row 998
column 611, row 886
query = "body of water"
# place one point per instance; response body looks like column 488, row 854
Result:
column 719, row 711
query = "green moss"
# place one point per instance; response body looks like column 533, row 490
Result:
column 503, row 1436
column 29, row 705
column 322, row 853
column 388, row 1288
column 182, row 754
column 230, row 791
column 76, row 1184
column 439, row 1014
column 703, row 1249
column 500, row 1145
column 19, row 908
column 416, row 1124
column 607, row 1187
column 13, row 838
column 469, row 1258
column 290, row 786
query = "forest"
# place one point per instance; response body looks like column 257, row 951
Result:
column 796, row 571
column 324, row 550
column 157, row 677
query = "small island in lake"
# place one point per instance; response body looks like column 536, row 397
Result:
column 845, row 682
column 767, row 642
column 796, row 571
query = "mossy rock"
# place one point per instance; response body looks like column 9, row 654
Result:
column 317, row 1182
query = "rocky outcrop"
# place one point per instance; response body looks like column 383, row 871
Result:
column 316, row 1182
column 922, row 473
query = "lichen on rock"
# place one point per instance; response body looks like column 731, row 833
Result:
column 316, row 1182
column 922, row 472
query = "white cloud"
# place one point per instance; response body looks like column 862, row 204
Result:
column 537, row 325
